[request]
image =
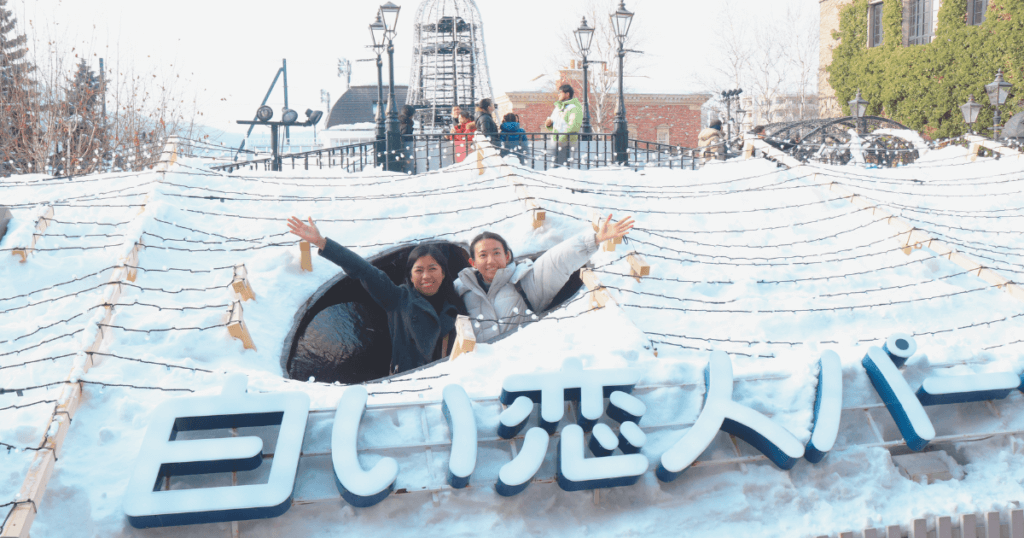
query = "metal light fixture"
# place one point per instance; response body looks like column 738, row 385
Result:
column 389, row 14
column 313, row 116
column 584, row 37
column 289, row 116
column 377, row 31
column 858, row 106
column 970, row 110
column 264, row 113
column 998, row 90
column 621, row 21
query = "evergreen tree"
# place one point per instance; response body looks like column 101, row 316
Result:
column 18, row 98
column 82, row 117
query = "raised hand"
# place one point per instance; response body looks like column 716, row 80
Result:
column 613, row 230
column 308, row 232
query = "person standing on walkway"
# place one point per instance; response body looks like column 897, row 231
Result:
column 485, row 121
column 565, row 119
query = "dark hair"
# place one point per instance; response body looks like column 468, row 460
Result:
column 447, row 288
column 758, row 130
column 484, row 103
column 488, row 235
column 567, row 89
column 717, row 124
column 464, row 114
column 510, row 117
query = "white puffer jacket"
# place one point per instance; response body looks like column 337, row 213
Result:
column 541, row 280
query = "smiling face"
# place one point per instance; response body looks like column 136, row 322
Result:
column 488, row 257
column 426, row 275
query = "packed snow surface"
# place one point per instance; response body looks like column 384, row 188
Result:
column 762, row 263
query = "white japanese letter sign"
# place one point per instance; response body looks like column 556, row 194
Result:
column 162, row 456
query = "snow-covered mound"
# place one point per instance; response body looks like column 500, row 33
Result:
column 762, row 263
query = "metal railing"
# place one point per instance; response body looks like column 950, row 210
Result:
column 422, row 153
column 351, row 158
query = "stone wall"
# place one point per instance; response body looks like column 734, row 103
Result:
column 829, row 10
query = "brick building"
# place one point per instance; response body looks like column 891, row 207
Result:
column 663, row 117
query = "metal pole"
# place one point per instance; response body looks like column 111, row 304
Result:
column 728, row 118
column 996, row 119
column 586, row 101
column 379, row 146
column 394, row 139
column 621, row 128
column 284, row 69
column 276, row 162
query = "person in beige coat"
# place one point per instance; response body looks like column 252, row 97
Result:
column 711, row 141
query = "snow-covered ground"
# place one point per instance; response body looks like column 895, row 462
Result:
column 747, row 258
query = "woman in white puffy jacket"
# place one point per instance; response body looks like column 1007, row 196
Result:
column 501, row 295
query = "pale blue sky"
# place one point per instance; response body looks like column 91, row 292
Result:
column 227, row 51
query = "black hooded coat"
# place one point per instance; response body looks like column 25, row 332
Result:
column 417, row 329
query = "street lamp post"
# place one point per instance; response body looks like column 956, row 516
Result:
column 584, row 37
column 729, row 96
column 288, row 119
column 998, row 90
column 389, row 14
column 858, row 108
column 970, row 110
column 621, row 20
column 377, row 32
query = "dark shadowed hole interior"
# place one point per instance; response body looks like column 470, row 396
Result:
column 902, row 344
column 340, row 334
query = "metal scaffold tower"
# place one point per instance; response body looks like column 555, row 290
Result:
column 449, row 61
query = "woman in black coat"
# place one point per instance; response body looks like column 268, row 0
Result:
column 421, row 312
column 485, row 122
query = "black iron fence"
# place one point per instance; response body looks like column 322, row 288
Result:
column 421, row 153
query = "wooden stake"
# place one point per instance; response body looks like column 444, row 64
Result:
column 536, row 212
column 41, row 225
column 465, row 338
column 237, row 328
column 240, row 284
column 480, row 161
column 598, row 294
column 638, row 266
column 131, row 262
column 307, row 258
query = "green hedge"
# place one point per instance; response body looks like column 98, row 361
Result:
column 923, row 86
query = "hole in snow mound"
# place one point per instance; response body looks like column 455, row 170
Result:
column 340, row 334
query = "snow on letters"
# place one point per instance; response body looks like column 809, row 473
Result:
column 162, row 456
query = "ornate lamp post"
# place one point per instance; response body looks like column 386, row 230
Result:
column 584, row 37
column 998, row 90
column 377, row 32
column 858, row 107
column 730, row 96
column 389, row 15
column 970, row 110
column 621, row 21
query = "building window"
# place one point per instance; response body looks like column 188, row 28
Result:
column 663, row 137
column 875, row 33
column 919, row 16
column 976, row 11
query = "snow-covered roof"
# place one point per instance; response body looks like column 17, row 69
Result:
column 759, row 262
